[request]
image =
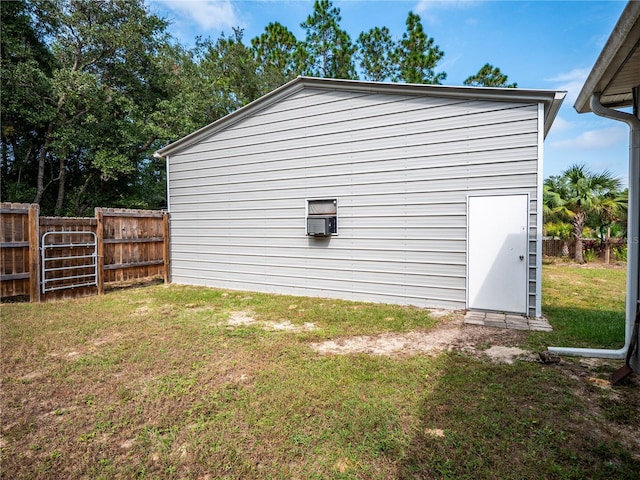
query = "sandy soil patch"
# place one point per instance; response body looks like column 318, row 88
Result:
column 141, row 311
column 243, row 319
column 451, row 334
column 505, row 354
column 240, row 319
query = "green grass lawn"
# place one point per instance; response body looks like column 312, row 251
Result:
column 585, row 304
column 175, row 382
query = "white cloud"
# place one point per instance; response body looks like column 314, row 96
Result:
column 575, row 74
column 206, row 14
column 424, row 8
column 571, row 81
column 594, row 139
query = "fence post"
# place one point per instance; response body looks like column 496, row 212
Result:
column 34, row 252
column 100, row 248
column 166, row 253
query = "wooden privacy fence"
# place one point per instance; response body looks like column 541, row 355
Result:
column 552, row 247
column 54, row 257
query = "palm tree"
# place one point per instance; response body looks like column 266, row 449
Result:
column 561, row 231
column 608, row 210
column 583, row 192
column 555, row 213
column 552, row 203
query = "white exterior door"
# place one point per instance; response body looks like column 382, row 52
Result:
column 497, row 253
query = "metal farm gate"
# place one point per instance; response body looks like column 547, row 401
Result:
column 69, row 260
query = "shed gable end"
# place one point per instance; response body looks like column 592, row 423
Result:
column 401, row 167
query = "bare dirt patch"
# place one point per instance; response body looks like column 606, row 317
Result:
column 237, row 319
column 141, row 311
column 243, row 319
column 503, row 354
column 450, row 334
column 434, row 432
column 107, row 339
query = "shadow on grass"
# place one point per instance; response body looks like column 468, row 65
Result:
column 523, row 421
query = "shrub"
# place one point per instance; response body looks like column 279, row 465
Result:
column 590, row 255
column 620, row 253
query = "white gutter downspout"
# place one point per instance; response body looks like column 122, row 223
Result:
column 633, row 235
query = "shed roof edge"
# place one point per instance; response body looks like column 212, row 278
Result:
column 552, row 100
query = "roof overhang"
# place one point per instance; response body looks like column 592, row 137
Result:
column 552, row 99
column 617, row 71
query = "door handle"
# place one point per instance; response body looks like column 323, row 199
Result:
column 521, row 257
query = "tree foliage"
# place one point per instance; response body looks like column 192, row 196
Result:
column 377, row 54
column 27, row 66
column 277, row 55
column 417, row 55
column 489, row 76
column 96, row 82
column 329, row 50
column 231, row 71
column 578, row 194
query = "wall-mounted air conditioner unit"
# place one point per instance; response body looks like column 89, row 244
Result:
column 321, row 226
column 322, row 217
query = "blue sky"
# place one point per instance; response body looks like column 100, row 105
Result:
column 538, row 44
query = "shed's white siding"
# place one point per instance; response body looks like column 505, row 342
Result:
column 401, row 168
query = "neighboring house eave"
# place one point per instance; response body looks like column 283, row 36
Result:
column 552, row 100
column 617, row 70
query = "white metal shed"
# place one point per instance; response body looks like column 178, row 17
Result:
column 399, row 193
